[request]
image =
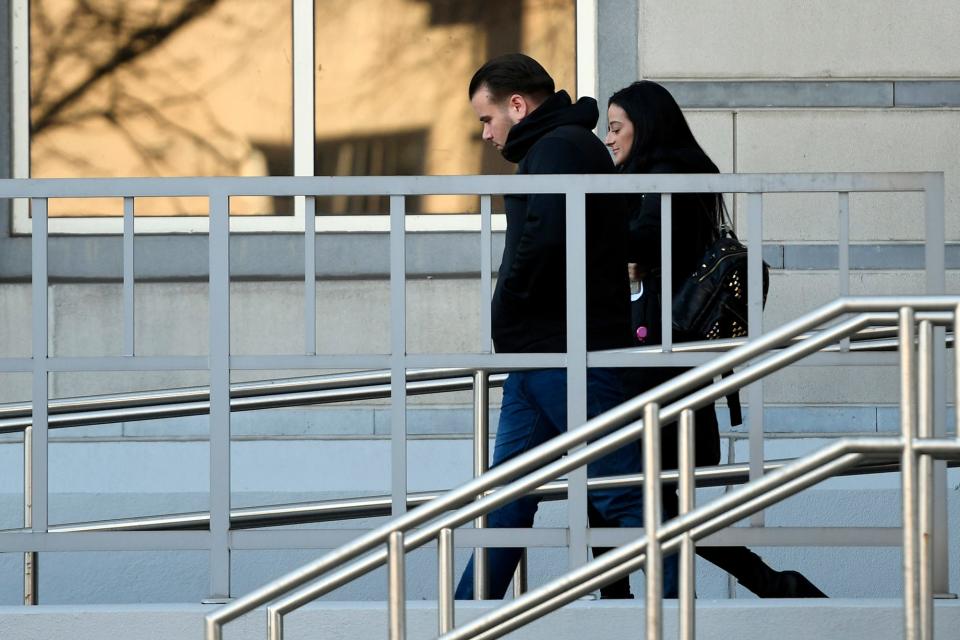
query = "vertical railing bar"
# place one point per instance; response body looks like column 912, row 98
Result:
column 908, row 468
column 843, row 253
column 219, row 312
column 486, row 268
column 128, row 278
column 755, row 329
column 30, row 567
column 274, row 624
column 310, row 275
column 396, row 579
column 956, row 373
column 40, row 348
column 398, row 351
column 935, row 263
column 925, row 494
column 666, row 272
column 481, row 461
column 304, row 95
column 520, row 575
column 576, row 367
column 651, row 520
column 686, row 447
column 19, row 100
column 445, row 579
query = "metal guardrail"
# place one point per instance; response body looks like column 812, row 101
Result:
column 315, row 390
column 220, row 361
column 248, row 396
column 916, row 447
column 340, row 509
column 606, row 433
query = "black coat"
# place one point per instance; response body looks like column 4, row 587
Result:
column 693, row 228
column 529, row 303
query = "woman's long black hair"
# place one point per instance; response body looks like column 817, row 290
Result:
column 661, row 136
column 661, row 133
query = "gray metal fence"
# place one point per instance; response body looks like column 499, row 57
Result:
column 219, row 540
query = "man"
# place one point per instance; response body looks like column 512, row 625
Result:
column 545, row 133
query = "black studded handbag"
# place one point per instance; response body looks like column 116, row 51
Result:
column 712, row 302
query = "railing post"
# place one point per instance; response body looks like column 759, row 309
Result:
column 651, row 520
column 686, row 446
column 520, row 575
column 37, row 468
column 445, row 604
column 398, row 354
column 843, row 253
column 481, row 462
column 577, row 375
column 396, row 578
column 219, row 332
column 908, row 468
column 754, row 331
column 30, row 565
column 925, row 479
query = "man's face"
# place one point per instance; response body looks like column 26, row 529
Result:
column 498, row 117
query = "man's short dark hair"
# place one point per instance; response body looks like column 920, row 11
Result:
column 513, row 73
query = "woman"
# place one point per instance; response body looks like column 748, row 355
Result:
column 647, row 133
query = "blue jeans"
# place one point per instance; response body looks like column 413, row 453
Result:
column 534, row 409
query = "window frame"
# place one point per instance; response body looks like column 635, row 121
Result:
column 585, row 51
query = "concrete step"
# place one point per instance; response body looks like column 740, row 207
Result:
column 841, row 619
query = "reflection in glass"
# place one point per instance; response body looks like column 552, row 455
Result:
column 157, row 88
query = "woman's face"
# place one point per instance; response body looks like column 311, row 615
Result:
column 619, row 134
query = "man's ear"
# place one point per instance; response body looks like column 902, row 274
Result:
column 517, row 107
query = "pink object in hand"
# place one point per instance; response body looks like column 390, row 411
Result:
column 641, row 333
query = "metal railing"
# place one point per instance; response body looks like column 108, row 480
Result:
column 332, row 388
column 606, row 433
column 218, row 539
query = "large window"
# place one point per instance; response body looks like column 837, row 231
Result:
column 246, row 87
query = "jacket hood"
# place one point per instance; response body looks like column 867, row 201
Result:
column 556, row 111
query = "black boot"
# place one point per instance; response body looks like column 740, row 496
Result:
column 790, row 584
column 754, row 574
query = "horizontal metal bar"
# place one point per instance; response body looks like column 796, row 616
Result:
column 140, row 407
column 544, row 537
column 16, row 365
column 237, row 390
column 322, row 361
column 378, row 506
column 128, row 363
column 331, row 538
column 855, row 357
column 297, row 390
column 463, row 185
column 105, row 541
column 770, row 537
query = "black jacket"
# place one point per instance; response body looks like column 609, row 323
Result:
column 693, row 226
column 693, row 229
column 529, row 303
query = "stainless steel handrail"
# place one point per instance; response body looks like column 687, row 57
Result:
column 724, row 511
column 327, row 389
column 596, row 432
column 915, row 446
column 237, row 390
column 77, row 412
column 340, row 509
